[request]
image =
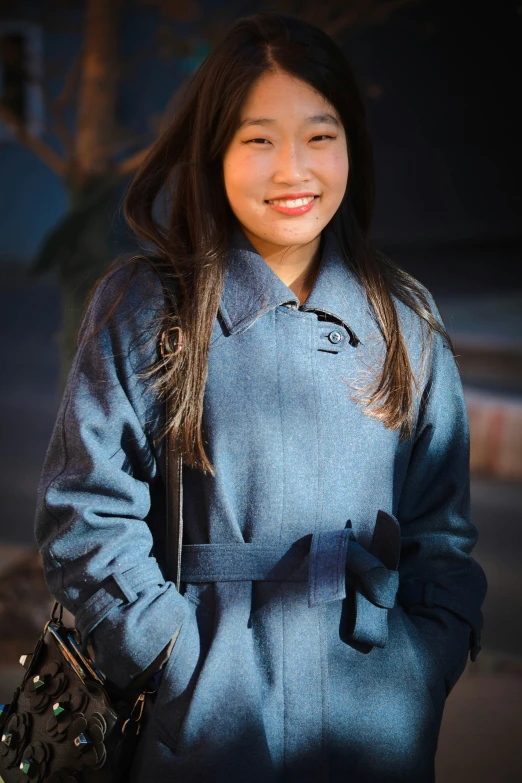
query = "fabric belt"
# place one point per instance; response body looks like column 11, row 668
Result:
column 327, row 560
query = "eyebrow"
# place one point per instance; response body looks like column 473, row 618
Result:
column 318, row 119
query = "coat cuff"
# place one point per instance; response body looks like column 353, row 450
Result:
column 129, row 620
column 452, row 593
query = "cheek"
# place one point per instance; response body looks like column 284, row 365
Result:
column 228, row 173
column 336, row 171
column 240, row 174
column 241, row 188
column 233, row 183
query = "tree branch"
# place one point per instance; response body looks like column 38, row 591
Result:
column 46, row 154
column 130, row 164
column 70, row 82
column 171, row 106
column 60, row 127
column 370, row 12
column 123, row 143
column 64, row 99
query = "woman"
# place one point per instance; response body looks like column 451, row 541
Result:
column 322, row 423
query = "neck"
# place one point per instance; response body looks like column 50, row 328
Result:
column 295, row 265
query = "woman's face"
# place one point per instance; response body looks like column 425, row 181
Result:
column 290, row 141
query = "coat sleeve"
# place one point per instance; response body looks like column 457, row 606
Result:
column 99, row 483
column 441, row 586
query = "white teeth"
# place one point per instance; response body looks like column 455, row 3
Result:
column 298, row 202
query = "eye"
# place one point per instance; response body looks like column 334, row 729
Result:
column 320, row 137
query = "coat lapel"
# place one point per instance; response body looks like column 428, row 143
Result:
column 252, row 288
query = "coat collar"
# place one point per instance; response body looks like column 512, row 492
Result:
column 252, row 288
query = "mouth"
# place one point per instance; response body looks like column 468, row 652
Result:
column 295, row 206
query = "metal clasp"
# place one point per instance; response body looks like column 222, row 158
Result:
column 137, row 712
column 165, row 348
column 57, row 606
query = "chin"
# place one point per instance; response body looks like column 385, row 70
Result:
column 292, row 231
column 297, row 235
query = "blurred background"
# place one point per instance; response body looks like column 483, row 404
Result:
column 87, row 86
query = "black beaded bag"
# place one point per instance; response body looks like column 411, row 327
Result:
column 66, row 723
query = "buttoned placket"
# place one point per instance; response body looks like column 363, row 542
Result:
column 323, row 326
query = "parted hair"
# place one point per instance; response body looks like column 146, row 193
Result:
column 184, row 169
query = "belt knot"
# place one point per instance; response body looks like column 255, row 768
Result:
column 337, row 558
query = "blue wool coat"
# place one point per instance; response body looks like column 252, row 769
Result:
column 329, row 600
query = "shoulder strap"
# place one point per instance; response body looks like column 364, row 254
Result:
column 174, row 489
column 173, row 477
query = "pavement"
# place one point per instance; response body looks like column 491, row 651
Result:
column 481, row 733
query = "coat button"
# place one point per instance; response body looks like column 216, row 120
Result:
column 335, row 337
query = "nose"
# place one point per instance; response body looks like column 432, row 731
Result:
column 290, row 164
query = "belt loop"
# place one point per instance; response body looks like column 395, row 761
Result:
column 124, row 583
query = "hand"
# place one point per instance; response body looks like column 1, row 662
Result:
column 142, row 680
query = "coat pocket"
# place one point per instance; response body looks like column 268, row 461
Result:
column 424, row 665
column 182, row 670
column 383, row 718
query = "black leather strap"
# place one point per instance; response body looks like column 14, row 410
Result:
column 173, row 480
column 174, row 501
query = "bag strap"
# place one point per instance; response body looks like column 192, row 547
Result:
column 174, row 503
column 173, row 471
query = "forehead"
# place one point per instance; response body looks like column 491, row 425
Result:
column 275, row 97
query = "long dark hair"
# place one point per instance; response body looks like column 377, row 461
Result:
column 185, row 164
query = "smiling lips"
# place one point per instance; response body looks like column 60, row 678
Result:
column 295, row 206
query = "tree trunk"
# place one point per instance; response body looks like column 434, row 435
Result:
column 97, row 102
column 91, row 164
